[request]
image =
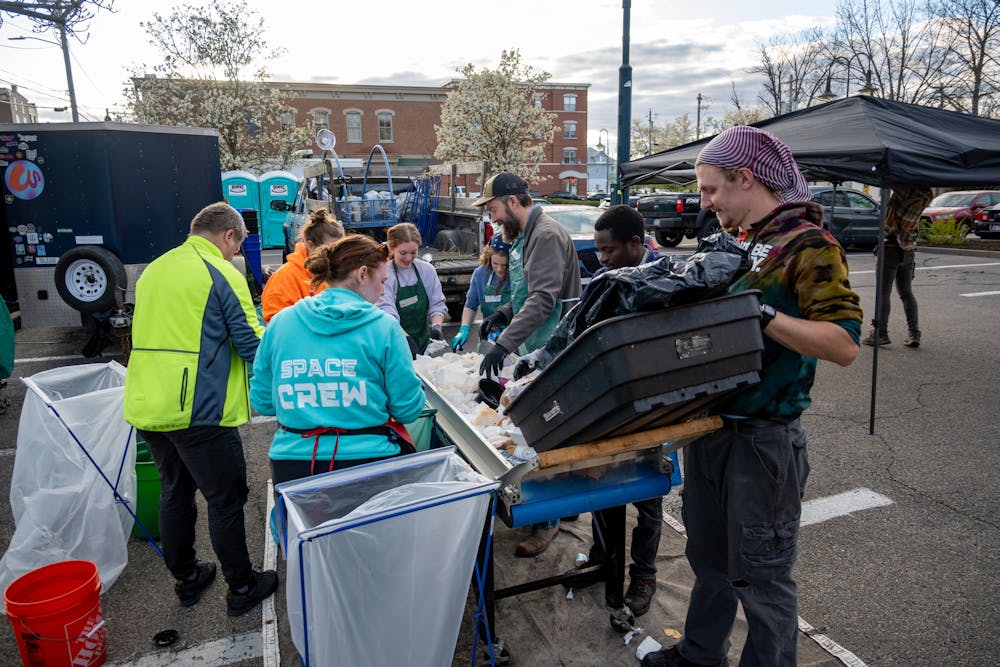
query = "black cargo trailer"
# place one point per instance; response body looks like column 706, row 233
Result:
column 87, row 205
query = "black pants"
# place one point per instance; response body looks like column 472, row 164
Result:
column 645, row 539
column 898, row 266
column 207, row 459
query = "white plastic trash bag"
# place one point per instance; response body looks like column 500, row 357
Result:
column 63, row 509
column 380, row 559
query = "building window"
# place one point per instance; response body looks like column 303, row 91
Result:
column 353, row 126
column 286, row 119
column 321, row 119
column 538, row 100
column 569, row 102
column 384, row 126
column 569, row 129
column 569, row 156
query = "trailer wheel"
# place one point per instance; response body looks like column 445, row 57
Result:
column 669, row 238
column 87, row 277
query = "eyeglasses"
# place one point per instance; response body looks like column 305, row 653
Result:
column 376, row 249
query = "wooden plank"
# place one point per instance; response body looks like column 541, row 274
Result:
column 633, row 441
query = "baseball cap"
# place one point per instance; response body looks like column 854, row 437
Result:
column 501, row 185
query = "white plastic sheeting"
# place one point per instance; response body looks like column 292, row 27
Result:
column 380, row 559
column 62, row 507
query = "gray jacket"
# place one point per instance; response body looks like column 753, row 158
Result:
column 552, row 271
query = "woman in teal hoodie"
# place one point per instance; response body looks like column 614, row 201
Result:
column 336, row 370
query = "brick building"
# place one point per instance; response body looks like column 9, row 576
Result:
column 15, row 107
column 401, row 119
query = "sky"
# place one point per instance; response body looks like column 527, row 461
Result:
column 676, row 50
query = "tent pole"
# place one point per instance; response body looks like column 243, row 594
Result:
column 884, row 197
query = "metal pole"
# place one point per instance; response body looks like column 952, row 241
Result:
column 650, row 152
column 697, row 124
column 620, row 194
column 880, row 262
column 69, row 72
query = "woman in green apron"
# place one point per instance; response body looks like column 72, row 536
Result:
column 413, row 293
column 489, row 288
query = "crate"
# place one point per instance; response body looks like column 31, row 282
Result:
column 643, row 370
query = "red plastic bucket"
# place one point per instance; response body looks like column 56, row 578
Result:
column 56, row 614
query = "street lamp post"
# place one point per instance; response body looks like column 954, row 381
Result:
column 828, row 94
column 64, row 45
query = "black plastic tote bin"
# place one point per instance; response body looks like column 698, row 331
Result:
column 643, row 370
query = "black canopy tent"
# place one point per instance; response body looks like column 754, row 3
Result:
column 867, row 140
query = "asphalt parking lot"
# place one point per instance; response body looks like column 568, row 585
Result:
column 897, row 564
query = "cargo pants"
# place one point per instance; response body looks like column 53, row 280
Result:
column 742, row 502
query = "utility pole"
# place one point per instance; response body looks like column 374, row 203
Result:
column 620, row 194
column 69, row 71
column 650, row 132
column 697, row 123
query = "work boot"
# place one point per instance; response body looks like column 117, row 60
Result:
column 536, row 543
column 244, row 598
column 190, row 588
column 671, row 657
column 912, row 338
column 883, row 338
column 640, row 594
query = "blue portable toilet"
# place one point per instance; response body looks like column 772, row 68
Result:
column 274, row 186
column 241, row 190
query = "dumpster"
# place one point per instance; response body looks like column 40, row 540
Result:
column 73, row 484
column 242, row 190
column 275, row 186
column 380, row 558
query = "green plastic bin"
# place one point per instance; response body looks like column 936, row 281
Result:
column 147, row 504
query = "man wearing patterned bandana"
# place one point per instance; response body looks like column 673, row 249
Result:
column 743, row 484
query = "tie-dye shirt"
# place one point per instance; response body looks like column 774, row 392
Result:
column 801, row 271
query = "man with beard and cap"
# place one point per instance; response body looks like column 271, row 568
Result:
column 544, row 282
column 743, row 484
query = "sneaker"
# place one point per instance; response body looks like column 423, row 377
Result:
column 259, row 588
column 671, row 657
column 912, row 338
column 883, row 339
column 640, row 594
column 189, row 590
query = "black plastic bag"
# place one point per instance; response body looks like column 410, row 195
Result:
column 669, row 281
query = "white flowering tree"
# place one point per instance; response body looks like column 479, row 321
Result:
column 492, row 116
column 212, row 75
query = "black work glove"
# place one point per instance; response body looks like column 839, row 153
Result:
column 494, row 321
column 493, row 361
column 436, row 332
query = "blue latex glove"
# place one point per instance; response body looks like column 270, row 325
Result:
column 458, row 342
column 493, row 361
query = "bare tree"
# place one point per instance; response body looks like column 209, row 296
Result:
column 972, row 31
column 71, row 15
column 793, row 67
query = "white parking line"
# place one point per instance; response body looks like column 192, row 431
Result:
column 269, row 619
column 223, row 651
column 842, row 504
column 981, row 293
column 65, row 357
column 935, row 268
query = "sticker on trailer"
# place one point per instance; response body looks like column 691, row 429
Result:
column 24, row 179
column 237, row 189
column 89, row 240
column 46, row 260
column 279, row 190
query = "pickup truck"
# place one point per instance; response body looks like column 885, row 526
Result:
column 670, row 216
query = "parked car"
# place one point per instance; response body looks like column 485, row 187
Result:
column 562, row 194
column 966, row 206
column 989, row 226
column 856, row 216
column 538, row 201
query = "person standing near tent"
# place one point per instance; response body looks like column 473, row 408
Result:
column 489, row 288
column 336, row 370
column 194, row 330
column 292, row 281
column 544, row 275
column 6, row 353
column 619, row 235
column 902, row 214
column 743, row 484
column 413, row 293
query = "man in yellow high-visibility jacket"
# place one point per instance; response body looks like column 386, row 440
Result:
column 194, row 331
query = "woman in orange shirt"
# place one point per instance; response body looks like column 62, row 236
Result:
column 292, row 281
